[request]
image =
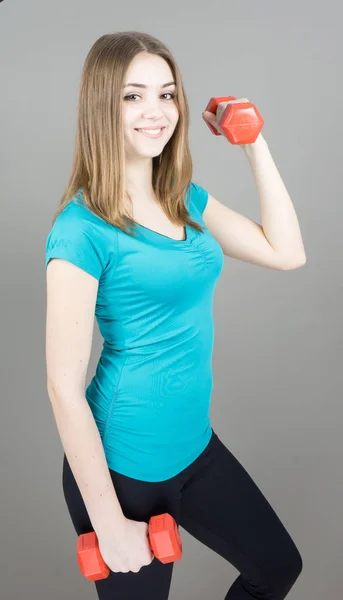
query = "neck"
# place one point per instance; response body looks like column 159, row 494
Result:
column 138, row 175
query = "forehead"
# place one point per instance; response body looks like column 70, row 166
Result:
column 149, row 69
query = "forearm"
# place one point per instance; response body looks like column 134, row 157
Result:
column 279, row 219
column 84, row 450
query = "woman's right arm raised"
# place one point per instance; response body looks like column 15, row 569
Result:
column 71, row 298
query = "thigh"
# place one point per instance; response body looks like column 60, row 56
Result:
column 139, row 500
column 224, row 509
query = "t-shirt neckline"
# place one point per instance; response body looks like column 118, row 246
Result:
column 151, row 234
column 147, row 232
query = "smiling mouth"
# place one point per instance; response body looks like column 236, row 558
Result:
column 151, row 131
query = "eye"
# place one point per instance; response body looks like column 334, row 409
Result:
column 130, row 96
column 137, row 95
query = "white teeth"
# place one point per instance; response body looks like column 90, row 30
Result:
column 150, row 130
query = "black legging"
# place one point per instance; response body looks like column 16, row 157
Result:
column 218, row 503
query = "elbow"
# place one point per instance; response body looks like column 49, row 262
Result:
column 290, row 264
column 68, row 394
column 52, row 391
column 50, row 388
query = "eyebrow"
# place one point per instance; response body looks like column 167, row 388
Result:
column 141, row 85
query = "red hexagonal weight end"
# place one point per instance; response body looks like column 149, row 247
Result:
column 165, row 539
column 241, row 123
column 91, row 563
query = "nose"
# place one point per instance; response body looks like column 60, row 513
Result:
column 152, row 109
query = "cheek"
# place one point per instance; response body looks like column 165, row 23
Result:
column 173, row 115
column 175, row 112
column 130, row 116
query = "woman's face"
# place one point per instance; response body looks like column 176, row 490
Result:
column 150, row 106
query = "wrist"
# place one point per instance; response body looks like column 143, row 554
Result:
column 260, row 145
column 113, row 527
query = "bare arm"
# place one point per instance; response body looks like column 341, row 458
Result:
column 71, row 297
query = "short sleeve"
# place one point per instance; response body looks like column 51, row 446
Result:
column 199, row 196
column 76, row 239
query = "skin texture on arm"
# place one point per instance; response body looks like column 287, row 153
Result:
column 71, row 297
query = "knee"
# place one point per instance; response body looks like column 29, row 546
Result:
column 295, row 565
column 286, row 573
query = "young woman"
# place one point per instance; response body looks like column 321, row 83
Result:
column 140, row 245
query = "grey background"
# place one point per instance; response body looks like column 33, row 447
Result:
column 277, row 399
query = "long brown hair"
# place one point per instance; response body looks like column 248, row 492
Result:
column 99, row 156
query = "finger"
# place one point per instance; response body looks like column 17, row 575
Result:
column 210, row 118
column 208, row 115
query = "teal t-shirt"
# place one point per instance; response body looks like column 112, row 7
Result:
column 151, row 393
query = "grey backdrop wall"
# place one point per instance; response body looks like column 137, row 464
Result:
column 277, row 399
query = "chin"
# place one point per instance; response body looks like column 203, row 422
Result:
column 150, row 154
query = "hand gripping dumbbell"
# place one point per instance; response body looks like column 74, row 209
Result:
column 241, row 121
column 164, row 539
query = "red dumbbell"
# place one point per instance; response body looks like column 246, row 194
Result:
column 164, row 539
column 241, row 122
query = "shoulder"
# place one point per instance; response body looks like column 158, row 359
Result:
column 197, row 196
column 81, row 237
